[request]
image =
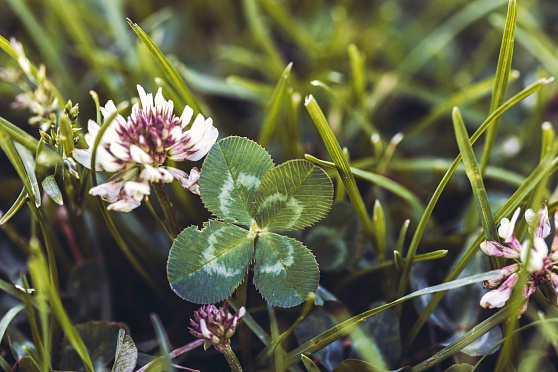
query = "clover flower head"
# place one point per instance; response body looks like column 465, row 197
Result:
column 540, row 261
column 137, row 148
column 215, row 325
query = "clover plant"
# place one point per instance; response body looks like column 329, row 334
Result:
column 254, row 202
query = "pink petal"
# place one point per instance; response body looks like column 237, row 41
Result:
column 496, row 249
column 505, row 272
column 498, row 297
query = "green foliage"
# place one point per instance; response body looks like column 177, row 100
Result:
column 386, row 75
column 232, row 173
column 240, row 185
column 126, row 355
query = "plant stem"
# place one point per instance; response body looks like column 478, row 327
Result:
column 168, row 210
column 232, row 359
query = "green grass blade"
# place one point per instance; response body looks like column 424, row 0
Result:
column 19, row 135
column 378, row 180
column 471, row 93
column 441, row 165
column 291, row 27
column 341, row 163
column 169, row 70
column 468, row 338
column 434, row 199
column 28, row 161
column 502, row 77
column 44, row 284
column 380, row 229
column 70, row 16
column 475, row 176
column 266, row 353
column 358, row 71
column 261, row 34
column 8, row 317
column 344, row 328
column 20, row 201
column 42, row 41
column 542, row 170
column 278, row 354
column 164, row 345
column 445, row 33
column 309, row 364
column 20, row 159
column 274, row 105
column 259, row 332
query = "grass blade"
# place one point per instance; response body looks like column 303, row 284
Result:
column 344, row 328
column 165, row 363
column 20, row 201
column 380, row 181
column 468, row 338
column 474, row 175
column 8, row 317
column 22, row 166
column 261, row 34
column 341, row 164
column 169, row 70
column 434, row 199
column 542, row 170
column 274, row 105
column 501, row 83
column 380, row 229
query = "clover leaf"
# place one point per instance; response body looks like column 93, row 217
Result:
column 254, row 202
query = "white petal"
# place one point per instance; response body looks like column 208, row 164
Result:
column 541, row 247
column 108, row 110
column 83, row 157
column 165, row 175
column 139, row 155
column 146, row 99
column 93, row 128
column 186, row 116
column 160, row 102
column 109, row 191
column 120, row 151
column 175, row 134
column 124, row 205
column 204, row 145
column 150, row 174
column 136, row 189
column 507, row 227
column 199, row 127
column 107, row 161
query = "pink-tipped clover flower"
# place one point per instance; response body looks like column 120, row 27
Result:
column 215, row 325
column 541, row 262
column 137, row 148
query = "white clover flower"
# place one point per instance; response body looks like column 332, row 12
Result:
column 138, row 147
column 541, row 265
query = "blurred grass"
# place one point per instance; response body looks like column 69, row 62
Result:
column 386, row 75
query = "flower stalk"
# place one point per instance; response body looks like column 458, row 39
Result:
column 234, row 364
column 168, row 208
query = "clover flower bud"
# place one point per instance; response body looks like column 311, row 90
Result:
column 215, row 325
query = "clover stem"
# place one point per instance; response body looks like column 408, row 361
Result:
column 232, row 359
column 168, row 209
